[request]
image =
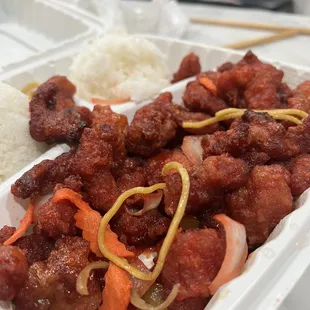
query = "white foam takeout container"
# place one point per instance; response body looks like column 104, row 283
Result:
column 38, row 28
column 273, row 269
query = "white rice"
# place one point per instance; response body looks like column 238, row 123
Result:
column 17, row 148
column 119, row 66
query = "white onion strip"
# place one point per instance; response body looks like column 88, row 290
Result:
column 192, row 149
column 151, row 201
column 236, row 252
column 142, row 305
column 82, row 280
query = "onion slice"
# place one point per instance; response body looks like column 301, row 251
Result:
column 140, row 286
column 192, row 149
column 236, row 252
column 82, row 280
column 141, row 304
column 151, row 201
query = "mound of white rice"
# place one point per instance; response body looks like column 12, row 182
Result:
column 119, row 66
column 17, row 148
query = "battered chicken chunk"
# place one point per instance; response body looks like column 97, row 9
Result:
column 155, row 164
column 92, row 154
column 224, row 172
column 207, row 183
column 194, row 260
column 253, row 84
column 6, row 232
column 299, row 168
column 101, row 189
column 198, row 98
column 262, row 203
column 301, row 97
column 128, row 175
column 152, row 127
column 111, row 127
column 51, row 283
column 145, row 230
column 56, row 219
column 190, row 66
column 13, row 271
column 54, row 117
column 258, row 132
column 42, row 178
column 35, row 247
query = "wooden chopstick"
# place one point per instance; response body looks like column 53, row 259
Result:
column 263, row 40
column 258, row 26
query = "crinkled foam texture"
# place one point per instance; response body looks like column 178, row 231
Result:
column 17, row 148
column 119, row 66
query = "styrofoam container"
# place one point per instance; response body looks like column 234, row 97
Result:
column 275, row 268
column 35, row 28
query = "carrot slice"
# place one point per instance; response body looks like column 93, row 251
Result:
column 117, row 290
column 98, row 100
column 23, row 226
column 114, row 245
column 236, row 252
column 89, row 220
column 208, row 84
column 72, row 196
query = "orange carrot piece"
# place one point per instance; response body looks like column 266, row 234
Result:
column 98, row 100
column 114, row 245
column 89, row 220
column 23, row 226
column 117, row 290
column 208, row 84
column 72, row 196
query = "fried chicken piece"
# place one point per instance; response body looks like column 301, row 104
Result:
column 199, row 99
column 226, row 66
column 152, row 127
column 36, row 247
column 92, row 154
column 145, row 230
column 224, row 172
column 156, row 124
column 186, row 116
column 6, row 232
column 56, row 219
column 54, row 117
column 301, row 97
column 189, row 67
column 299, row 168
column 101, row 189
column 194, row 260
column 260, row 133
column 73, row 182
column 253, row 84
column 13, row 271
column 155, row 164
column 200, row 196
column 111, row 127
column 51, row 283
column 128, row 175
column 262, row 203
column 207, row 182
column 41, row 178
